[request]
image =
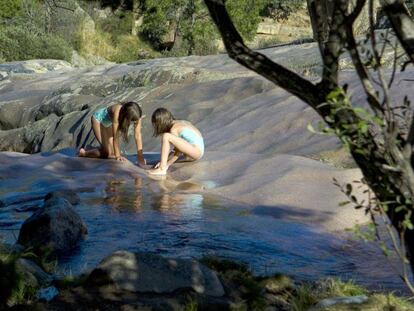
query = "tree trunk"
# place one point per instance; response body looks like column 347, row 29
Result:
column 137, row 16
column 383, row 161
column 320, row 12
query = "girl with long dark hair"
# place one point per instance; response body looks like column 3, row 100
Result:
column 109, row 124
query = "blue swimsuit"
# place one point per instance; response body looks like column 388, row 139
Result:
column 192, row 137
column 103, row 117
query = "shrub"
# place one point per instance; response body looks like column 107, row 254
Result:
column 20, row 43
column 129, row 48
column 116, row 25
column 93, row 43
column 10, row 8
column 281, row 9
column 196, row 33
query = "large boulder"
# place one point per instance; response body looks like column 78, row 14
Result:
column 55, row 228
column 152, row 273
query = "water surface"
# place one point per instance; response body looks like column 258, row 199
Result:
column 135, row 213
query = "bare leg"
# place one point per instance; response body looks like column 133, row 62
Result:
column 180, row 144
column 104, row 137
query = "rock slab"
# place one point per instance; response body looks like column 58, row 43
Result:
column 56, row 227
column 152, row 273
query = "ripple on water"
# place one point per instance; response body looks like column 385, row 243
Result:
column 126, row 215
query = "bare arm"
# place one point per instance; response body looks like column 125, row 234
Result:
column 138, row 142
column 115, row 129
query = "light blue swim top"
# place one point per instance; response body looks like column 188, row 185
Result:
column 102, row 116
column 193, row 138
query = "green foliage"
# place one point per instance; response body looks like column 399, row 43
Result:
column 14, row 288
column 353, row 135
column 189, row 26
column 10, row 8
column 281, row 9
column 245, row 15
column 21, row 43
column 115, row 25
column 309, row 294
column 130, row 48
column 159, row 17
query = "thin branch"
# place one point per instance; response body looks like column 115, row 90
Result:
column 402, row 23
column 281, row 76
column 378, row 65
column 363, row 74
column 53, row 5
column 394, row 65
column 361, row 70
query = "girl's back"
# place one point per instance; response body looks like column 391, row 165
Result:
column 180, row 125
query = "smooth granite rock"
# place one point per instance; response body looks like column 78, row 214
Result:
column 152, row 273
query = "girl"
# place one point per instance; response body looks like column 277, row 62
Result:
column 108, row 123
column 186, row 139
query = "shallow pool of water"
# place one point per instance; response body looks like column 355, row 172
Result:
column 133, row 213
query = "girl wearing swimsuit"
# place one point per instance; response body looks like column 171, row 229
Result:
column 186, row 139
column 108, row 124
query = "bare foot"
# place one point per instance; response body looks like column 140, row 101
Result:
column 81, row 152
column 158, row 171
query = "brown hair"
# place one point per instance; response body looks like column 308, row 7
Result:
column 130, row 112
column 162, row 121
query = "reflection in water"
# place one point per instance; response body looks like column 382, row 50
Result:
column 182, row 204
column 136, row 214
column 120, row 198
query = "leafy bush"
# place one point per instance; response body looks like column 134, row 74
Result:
column 192, row 25
column 120, row 48
column 157, row 19
column 20, row 43
column 281, row 9
column 10, row 8
column 246, row 15
column 116, row 25
column 129, row 48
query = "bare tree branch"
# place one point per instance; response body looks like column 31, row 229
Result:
column 53, row 5
column 402, row 23
column 258, row 62
column 361, row 70
column 363, row 74
column 378, row 66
